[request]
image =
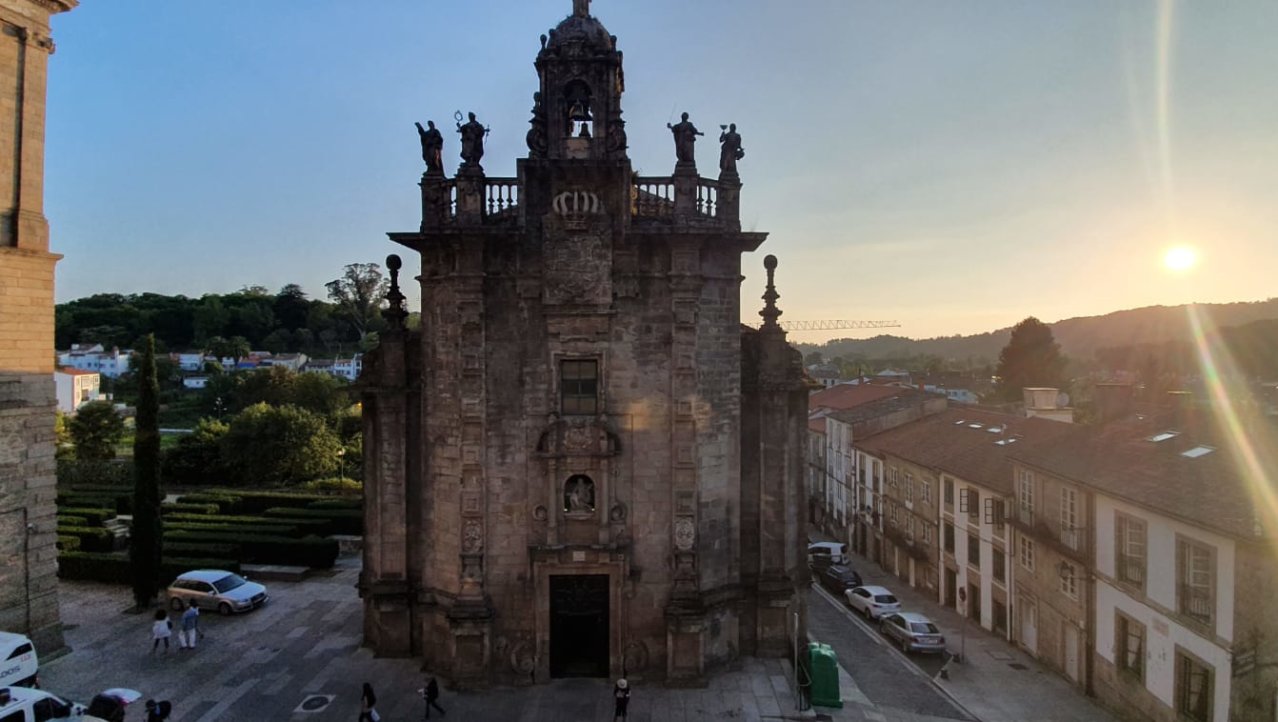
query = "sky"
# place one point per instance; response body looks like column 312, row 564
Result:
column 953, row 166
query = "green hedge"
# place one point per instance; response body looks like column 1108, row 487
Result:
column 115, row 568
column 68, row 543
column 68, row 520
column 180, row 508
column 121, row 503
column 268, row 549
column 339, row 521
column 202, row 549
column 92, row 538
column 344, row 502
column 226, row 503
column 287, row 530
column 335, row 485
column 306, row 526
column 93, row 516
column 256, row 502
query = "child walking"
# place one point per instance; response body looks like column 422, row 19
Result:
column 161, row 629
column 190, row 627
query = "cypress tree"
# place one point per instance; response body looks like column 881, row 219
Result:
column 144, row 544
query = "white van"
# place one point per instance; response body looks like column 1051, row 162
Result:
column 19, row 704
column 826, row 553
column 18, row 663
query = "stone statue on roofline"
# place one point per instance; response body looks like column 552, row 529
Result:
column 730, row 150
column 685, row 138
column 472, row 140
column 432, row 148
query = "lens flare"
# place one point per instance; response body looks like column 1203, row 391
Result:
column 1251, row 460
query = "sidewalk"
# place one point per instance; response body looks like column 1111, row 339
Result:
column 996, row 681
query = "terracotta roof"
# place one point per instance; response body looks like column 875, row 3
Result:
column 960, row 442
column 75, row 372
column 817, row 426
column 846, row 396
column 1120, row 459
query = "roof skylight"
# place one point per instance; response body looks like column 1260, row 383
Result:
column 1164, row 436
column 973, row 426
column 1197, row 451
column 1005, row 442
column 960, row 422
column 995, row 429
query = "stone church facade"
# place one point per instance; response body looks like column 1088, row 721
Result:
column 582, row 464
column 28, row 557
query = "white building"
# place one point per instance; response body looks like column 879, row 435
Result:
column 111, row 364
column 75, row 388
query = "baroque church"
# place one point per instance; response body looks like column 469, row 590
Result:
column 583, row 463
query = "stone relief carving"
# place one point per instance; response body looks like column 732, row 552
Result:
column 577, row 269
column 685, row 533
column 472, row 537
column 577, row 203
column 636, row 656
column 540, row 513
column 617, row 513
column 522, row 658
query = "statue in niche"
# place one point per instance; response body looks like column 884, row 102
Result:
column 432, row 148
column 472, row 140
column 730, row 150
column 579, row 494
column 685, row 137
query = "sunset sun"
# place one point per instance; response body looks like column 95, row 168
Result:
column 1180, row 259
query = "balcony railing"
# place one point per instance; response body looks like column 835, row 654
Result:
column 1131, row 569
column 1073, row 537
column 905, row 542
column 654, row 197
column 1072, row 541
column 1195, row 602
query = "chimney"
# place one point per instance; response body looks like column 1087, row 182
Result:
column 1113, row 400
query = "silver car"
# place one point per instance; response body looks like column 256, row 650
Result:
column 873, row 602
column 913, row 631
column 224, row 591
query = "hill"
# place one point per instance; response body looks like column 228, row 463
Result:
column 1079, row 337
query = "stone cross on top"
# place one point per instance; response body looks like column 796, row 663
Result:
column 581, row 8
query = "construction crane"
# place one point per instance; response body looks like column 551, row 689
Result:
column 834, row 325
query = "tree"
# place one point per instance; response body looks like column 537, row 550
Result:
column 96, row 429
column 145, row 538
column 236, row 347
column 360, row 293
column 275, row 445
column 196, row 459
column 1030, row 358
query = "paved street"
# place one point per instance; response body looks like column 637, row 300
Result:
column 305, row 646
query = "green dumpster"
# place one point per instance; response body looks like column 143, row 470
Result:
column 824, row 664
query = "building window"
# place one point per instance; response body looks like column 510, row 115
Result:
column 1071, row 535
column 1195, row 579
column 973, row 504
column 949, row 491
column 962, row 501
column 1000, row 565
column 1026, row 552
column 999, row 617
column 926, row 491
column 1129, row 549
column 949, row 537
column 1025, row 495
column 1193, row 687
column 974, row 551
column 909, row 488
column 1069, row 580
column 579, row 387
column 1129, row 645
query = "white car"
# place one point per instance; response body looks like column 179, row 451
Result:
column 18, row 661
column 216, row 589
column 873, row 602
column 21, row 704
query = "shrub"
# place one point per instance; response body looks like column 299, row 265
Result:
column 93, row 516
column 226, row 503
column 180, row 508
column 65, row 520
column 115, row 568
column 92, row 538
column 78, row 472
column 196, row 459
column 286, row 530
column 202, row 549
column 337, row 503
column 268, row 549
column 256, row 502
column 68, row 543
column 338, row 484
column 340, row 521
column 305, row 527
column 122, row 501
column 279, row 444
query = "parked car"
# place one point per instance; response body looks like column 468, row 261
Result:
column 913, row 631
column 824, row 553
column 18, row 661
column 21, row 704
column 873, row 602
column 838, row 578
column 215, row 589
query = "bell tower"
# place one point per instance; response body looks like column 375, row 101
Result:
column 577, row 111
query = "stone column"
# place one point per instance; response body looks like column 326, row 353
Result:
column 28, row 527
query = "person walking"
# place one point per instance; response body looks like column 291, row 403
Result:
column 368, row 705
column 431, row 694
column 161, row 629
column 190, row 627
column 158, row 711
column 621, row 695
